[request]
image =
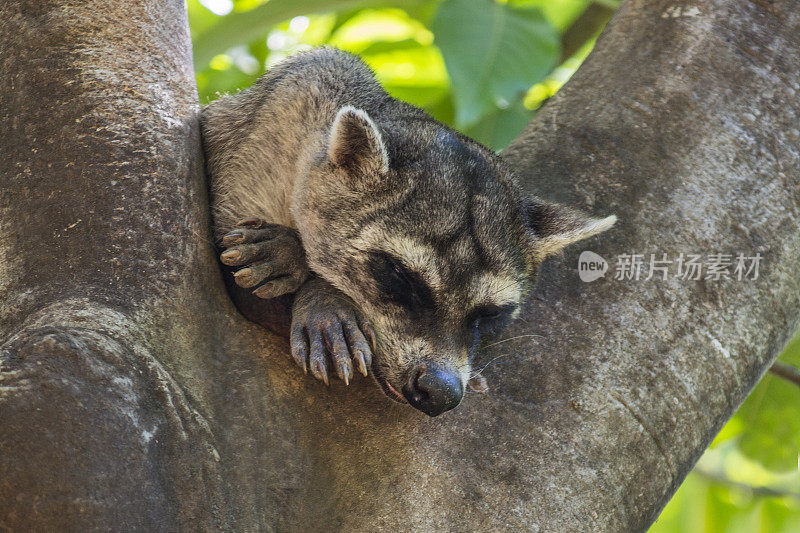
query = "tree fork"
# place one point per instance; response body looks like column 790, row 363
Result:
column 133, row 395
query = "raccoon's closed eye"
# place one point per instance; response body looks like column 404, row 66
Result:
column 400, row 284
column 490, row 319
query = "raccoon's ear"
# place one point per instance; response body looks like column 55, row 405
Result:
column 555, row 226
column 356, row 144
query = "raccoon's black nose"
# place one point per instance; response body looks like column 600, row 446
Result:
column 433, row 389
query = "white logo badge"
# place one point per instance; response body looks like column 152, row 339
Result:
column 591, row 266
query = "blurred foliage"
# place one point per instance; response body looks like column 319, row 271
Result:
column 481, row 66
column 484, row 67
column 492, row 52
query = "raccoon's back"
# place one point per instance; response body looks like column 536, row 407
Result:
column 253, row 139
column 321, row 80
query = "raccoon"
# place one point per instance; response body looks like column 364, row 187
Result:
column 403, row 241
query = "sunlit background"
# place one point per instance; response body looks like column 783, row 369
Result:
column 485, row 67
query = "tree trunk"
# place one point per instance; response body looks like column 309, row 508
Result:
column 133, row 396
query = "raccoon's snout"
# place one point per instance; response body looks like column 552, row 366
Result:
column 433, row 389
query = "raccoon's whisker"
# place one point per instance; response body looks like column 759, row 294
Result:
column 497, row 363
column 492, row 361
column 511, row 339
column 474, row 372
column 496, row 358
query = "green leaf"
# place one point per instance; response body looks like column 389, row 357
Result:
column 424, row 12
column 383, row 47
column 493, row 52
column 499, row 127
column 560, row 13
column 342, row 18
column 420, row 96
column 243, row 27
column 771, row 415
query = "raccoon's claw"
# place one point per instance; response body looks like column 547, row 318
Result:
column 315, row 343
column 272, row 255
column 250, row 222
column 327, row 334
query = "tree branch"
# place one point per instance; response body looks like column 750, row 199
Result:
column 584, row 28
column 767, row 492
column 787, row 372
column 133, row 395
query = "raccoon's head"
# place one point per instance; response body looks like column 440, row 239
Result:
column 424, row 229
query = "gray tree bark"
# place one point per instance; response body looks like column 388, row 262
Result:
column 133, row 396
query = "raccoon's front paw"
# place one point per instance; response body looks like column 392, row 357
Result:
column 272, row 255
column 326, row 330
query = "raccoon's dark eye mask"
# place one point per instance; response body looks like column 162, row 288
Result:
column 401, row 285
